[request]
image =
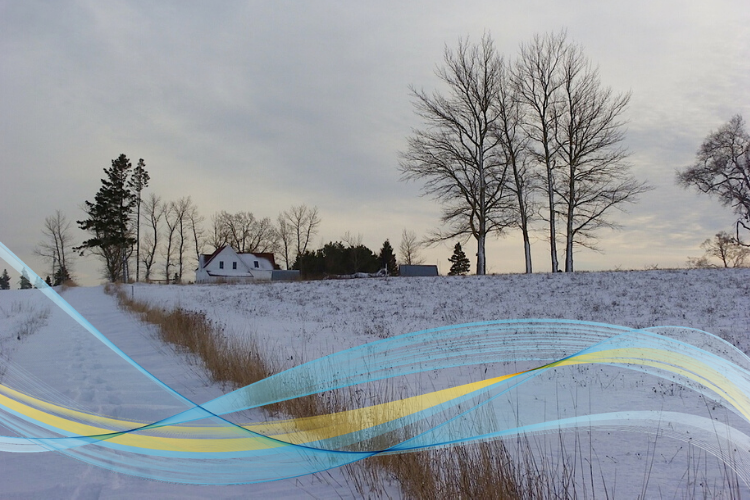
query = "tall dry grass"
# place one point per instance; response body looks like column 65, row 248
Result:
column 485, row 470
column 228, row 360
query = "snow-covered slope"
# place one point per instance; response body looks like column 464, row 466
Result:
column 297, row 322
column 80, row 372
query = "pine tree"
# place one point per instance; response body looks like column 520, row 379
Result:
column 461, row 264
column 109, row 220
column 138, row 181
column 5, row 280
column 388, row 259
column 24, row 283
column 61, row 276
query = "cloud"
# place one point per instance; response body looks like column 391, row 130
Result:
column 261, row 105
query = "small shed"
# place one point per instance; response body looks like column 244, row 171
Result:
column 280, row 275
column 418, row 270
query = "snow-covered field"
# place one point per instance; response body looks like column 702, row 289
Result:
column 298, row 322
column 68, row 366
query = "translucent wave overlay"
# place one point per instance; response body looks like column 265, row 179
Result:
column 526, row 376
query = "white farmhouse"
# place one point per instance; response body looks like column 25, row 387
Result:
column 226, row 265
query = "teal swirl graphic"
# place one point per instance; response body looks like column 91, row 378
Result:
column 521, row 372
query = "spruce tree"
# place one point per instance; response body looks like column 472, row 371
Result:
column 461, row 264
column 24, row 283
column 5, row 280
column 109, row 220
column 61, row 276
column 388, row 259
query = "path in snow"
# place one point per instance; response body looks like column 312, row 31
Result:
column 69, row 361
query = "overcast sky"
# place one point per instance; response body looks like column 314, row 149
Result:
column 258, row 106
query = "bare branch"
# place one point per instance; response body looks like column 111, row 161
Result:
column 457, row 154
column 722, row 169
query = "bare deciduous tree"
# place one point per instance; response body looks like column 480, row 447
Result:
column 593, row 174
column 57, row 247
column 537, row 80
column 724, row 247
column 573, row 128
column 514, row 144
column 285, row 239
column 195, row 221
column 722, row 168
column 409, row 248
column 180, row 209
column 243, row 232
column 353, row 240
column 264, row 238
column 154, row 211
column 303, row 223
column 457, row 153
column 168, row 252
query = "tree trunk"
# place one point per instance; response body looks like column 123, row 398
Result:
column 551, row 198
column 138, row 239
column 481, row 258
column 524, row 220
column 527, row 249
column 552, row 234
column 569, row 225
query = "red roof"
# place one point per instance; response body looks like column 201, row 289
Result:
column 207, row 258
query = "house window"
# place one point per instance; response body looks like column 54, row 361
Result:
column 256, row 264
column 221, row 264
column 234, row 265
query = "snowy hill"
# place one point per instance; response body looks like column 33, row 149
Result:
column 304, row 321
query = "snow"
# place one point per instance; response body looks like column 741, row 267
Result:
column 304, row 321
column 84, row 374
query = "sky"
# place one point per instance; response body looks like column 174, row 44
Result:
column 258, row 106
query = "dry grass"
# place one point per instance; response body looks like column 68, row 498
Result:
column 485, row 470
column 29, row 318
column 228, row 360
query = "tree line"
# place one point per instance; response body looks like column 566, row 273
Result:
column 165, row 238
column 173, row 234
column 530, row 144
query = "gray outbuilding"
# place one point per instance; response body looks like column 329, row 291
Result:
column 421, row 270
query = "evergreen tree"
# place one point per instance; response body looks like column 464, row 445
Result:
column 48, row 281
column 109, row 220
column 335, row 259
column 461, row 264
column 361, row 259
column 61, row 276
column 138, row 181
column 5, row 280
column 24, row 283
column 388, row 259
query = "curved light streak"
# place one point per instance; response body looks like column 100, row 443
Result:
column 201, row 446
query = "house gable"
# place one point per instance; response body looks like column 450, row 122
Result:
column 226, row 264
